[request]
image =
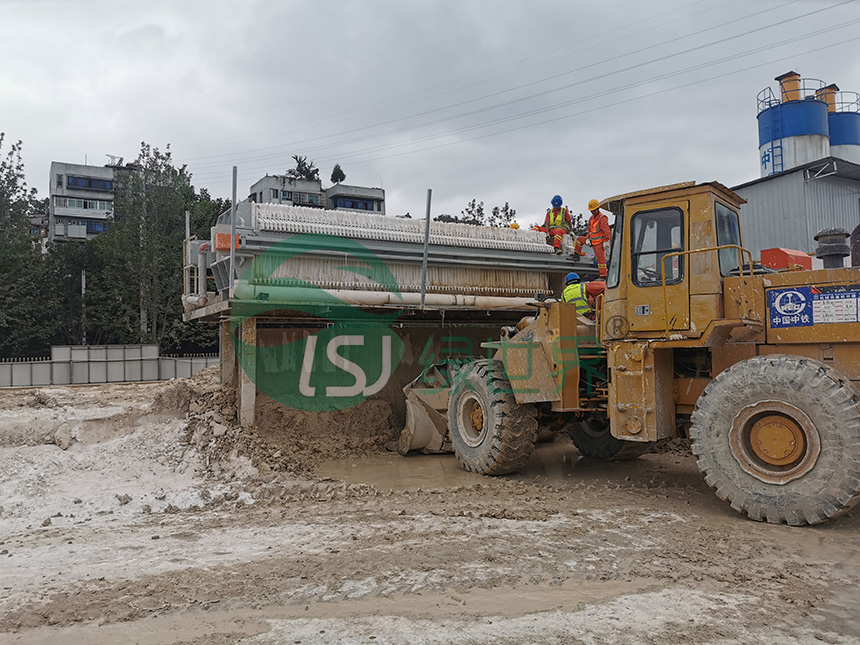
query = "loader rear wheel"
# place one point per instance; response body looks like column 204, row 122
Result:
column 592, row 438
column 778, row 437
column 491, row 433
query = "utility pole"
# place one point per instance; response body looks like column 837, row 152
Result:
column 426, row 250
column 83, row 307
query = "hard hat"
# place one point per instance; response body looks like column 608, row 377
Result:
column 571, row 277
column 514, row 225
column 557, row 201
column 593, row 205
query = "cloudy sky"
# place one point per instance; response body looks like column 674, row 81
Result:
column 498, row 100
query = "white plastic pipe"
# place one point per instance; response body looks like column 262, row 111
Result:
column 201, row 273
column 300, row 295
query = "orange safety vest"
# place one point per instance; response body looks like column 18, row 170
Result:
column 556, row 219
column 594, row 232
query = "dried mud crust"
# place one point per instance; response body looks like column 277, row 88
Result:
column 832, row 404
column 510, row 431
column 178, row 394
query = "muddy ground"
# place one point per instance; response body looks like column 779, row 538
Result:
column 125, row 520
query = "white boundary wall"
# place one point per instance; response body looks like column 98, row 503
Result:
column 74, row 365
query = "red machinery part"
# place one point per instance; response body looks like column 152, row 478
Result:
column 780, row 258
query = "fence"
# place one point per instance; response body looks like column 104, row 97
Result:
column 72, row 365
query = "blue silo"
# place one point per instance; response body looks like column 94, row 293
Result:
column 844, row 123
column 793, row 128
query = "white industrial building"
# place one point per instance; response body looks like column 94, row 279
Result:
column 788, row 209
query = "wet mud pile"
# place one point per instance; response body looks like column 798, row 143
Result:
column 283, row 440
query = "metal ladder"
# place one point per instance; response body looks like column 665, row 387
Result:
column 776, row 143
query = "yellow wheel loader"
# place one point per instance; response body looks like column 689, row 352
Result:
column 691, row 338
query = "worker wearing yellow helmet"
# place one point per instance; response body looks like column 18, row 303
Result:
column 598, row 236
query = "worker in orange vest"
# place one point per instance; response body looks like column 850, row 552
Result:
column 556, row 223
column 599, row 236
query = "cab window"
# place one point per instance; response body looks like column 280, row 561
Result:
column 614, row 271
column 654, row 234
column 728, row 232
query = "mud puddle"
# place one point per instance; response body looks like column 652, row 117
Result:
column 395, row 472
column 557, row 462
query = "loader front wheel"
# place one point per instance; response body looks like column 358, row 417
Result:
column 778, row 437
column 592, row 438
column 491, row 433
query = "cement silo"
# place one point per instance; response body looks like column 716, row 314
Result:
column 805, row 121
column 792, row 125
column 843, row 119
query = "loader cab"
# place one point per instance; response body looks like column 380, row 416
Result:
column 661, row 282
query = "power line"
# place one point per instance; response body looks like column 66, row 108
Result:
column 342, row 116
column 512, row 89
column 553, row 77
column 631, row 100
column 341, row 156
column 601, row 107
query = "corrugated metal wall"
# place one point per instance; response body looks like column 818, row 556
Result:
column 787, row 211
column 832, row 202
column 774, row 214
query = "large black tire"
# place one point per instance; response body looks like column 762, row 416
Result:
column 491, row 433
column 592, row 438
column 778, row 437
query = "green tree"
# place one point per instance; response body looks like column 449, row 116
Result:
column 26, row 317
column 473, row 213
column 64, row 265
column 304, row 169
column 500, row 217
column 337, row 174
column 144, row 246
column 204, row 212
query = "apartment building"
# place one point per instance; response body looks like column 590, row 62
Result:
column 81, row 201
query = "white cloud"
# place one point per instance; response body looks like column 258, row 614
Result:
column 494, row 100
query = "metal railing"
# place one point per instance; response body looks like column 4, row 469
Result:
column 809, row 88
column 740, row 250
column 846, row 102
column 805, row 88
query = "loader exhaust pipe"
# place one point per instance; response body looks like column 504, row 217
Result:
column 832, row 247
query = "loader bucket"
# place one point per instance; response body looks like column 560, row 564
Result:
column 426, row 426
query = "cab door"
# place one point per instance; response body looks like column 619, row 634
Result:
column 655, row 233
